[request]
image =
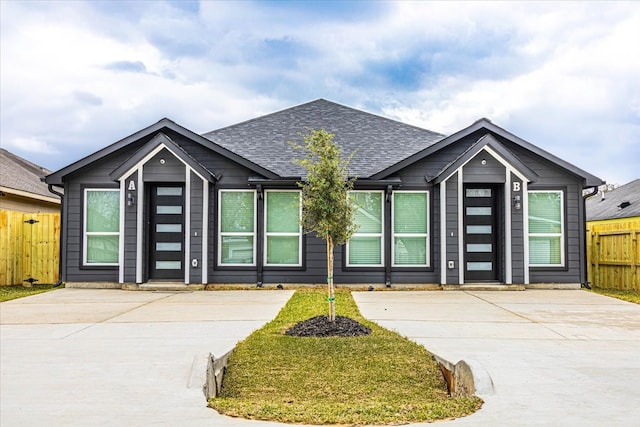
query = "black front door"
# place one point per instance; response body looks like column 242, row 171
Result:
column 480, row 233
column 166, row 232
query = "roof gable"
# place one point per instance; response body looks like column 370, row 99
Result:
column 497, row 150
column 613, row 204
column 162, row 125
column 378, row 142
column 152, row 147
column 485, row 124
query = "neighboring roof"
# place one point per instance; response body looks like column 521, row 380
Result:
column 486, row 124
column 158, row 142
column 21, row 177
column 623, row 202
column 378, row 142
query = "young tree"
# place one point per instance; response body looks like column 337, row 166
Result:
column 326, row 207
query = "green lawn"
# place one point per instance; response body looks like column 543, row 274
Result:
column 381, row 378
column 626, row 295
column 18, row 291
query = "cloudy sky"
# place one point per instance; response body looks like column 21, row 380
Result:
column 77, row 76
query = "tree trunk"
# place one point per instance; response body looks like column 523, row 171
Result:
column 332, row 298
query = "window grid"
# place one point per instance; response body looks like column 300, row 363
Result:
column 276, row 234
column 549, row 238
column 88, row 235
column 395, row 234
column 250, row 235
column 368, row 235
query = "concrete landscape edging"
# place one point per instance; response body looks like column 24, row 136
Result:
column 465, row 378
column 216, row 368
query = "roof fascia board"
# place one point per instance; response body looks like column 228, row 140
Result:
column 496, row 150
column 27, row 194
column 589, row 180
column 491, row 145
column 57, row 177
column 437, row 146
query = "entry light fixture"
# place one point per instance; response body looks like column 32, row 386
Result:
column 516, row 202
column 131, row 199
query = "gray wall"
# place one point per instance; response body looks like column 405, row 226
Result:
column 414, row 177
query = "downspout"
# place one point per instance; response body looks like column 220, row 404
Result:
column 586, row 284
column 60, row 271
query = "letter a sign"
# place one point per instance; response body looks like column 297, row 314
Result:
column 132, row 186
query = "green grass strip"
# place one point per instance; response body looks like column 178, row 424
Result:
column 10, row 292
column 630, row 295
column 381, row 378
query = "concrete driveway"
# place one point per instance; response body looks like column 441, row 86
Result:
column 556, row 358
column 75, row 357
column 79, row 357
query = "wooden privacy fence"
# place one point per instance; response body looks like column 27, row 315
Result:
column 613, row 253
column 29, row 247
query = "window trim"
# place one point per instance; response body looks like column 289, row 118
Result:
column 86, row 234
column 222, row 234
column 381, row 234
column 426, row 235
column 562, row 233
column 282, row 234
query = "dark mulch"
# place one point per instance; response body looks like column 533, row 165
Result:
column 320, row 326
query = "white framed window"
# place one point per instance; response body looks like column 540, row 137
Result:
column 546, row 228
column 410, row 229
column 283, row 232
column 101, row 227
column 237, row 227
column 365, row 248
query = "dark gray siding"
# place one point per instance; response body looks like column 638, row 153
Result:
column 551, row 177
column 172, row 170
column 517, row 236
column 491, row 172
column 195, row 273
column 453, row 275
column 95, row 176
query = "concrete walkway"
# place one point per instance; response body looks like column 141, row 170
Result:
column 556, row 358
column 76, row 357
column 80, row 357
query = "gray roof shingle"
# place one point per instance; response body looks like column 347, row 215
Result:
column 378, row 142
column 609, row 206
column 20, row 174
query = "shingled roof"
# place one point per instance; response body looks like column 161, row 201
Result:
column 378, row 142
column 19, row 174
column 623, row 202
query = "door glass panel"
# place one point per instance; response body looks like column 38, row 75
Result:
column 478, row 229
column 478, row 192
column 168, row 265
column 479, row 266
column 479, row 247
column 169, row 228
column 479, row 210
column 169, row 210
column 169, row 191
column 168, row 246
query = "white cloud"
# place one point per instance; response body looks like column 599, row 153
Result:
column 86, row 74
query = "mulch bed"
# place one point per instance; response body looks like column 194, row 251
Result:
column 320, row 326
